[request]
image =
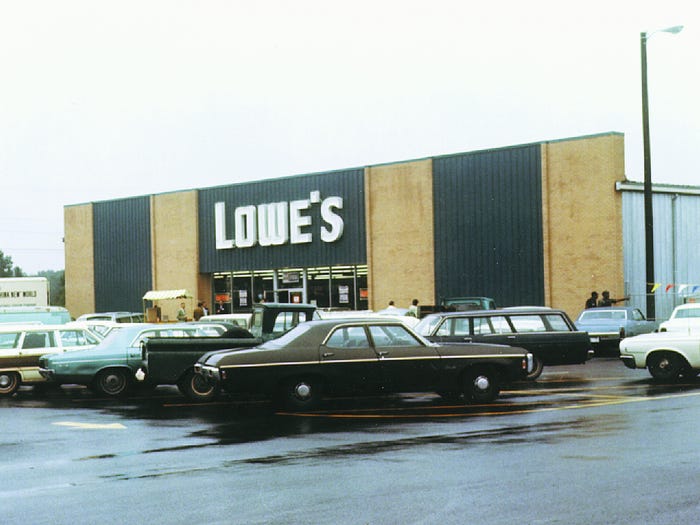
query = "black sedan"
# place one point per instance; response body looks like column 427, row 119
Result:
column 363, row 356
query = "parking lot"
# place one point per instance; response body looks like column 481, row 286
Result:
column 594, row 443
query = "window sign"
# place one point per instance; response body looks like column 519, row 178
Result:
column 343, row 294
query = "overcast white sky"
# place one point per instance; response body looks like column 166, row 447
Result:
column 108, row 99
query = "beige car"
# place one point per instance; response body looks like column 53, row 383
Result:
column 21, row 346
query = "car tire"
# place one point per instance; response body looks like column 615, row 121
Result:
column 666, row 366
column 9, row 383
column 112, row 382
column 197, row 388
column 300, row 394
column 481, row 385
column 537, row 367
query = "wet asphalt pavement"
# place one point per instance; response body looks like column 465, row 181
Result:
column 585, row 444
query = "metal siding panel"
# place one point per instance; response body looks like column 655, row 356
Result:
column 676, row 247
column 488, row 225
column 349, row 249
column 122, row 254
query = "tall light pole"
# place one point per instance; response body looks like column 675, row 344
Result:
column 648, row 209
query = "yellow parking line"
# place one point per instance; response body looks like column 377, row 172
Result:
column 615, row 401
column 90, row 426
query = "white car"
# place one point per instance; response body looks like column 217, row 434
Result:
column 685, row 318
column 667, row 355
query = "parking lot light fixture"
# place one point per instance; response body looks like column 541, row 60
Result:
column 648, row 209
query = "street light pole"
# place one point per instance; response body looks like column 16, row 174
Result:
column 648, row 208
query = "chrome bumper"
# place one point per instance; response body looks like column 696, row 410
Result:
column 210, row 373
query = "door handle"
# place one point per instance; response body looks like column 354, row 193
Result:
column 468, row 339
column 382, row 353
column 328, row 354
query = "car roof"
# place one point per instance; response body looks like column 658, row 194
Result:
column 687, row 306
column 500, row 311
column 37, row 327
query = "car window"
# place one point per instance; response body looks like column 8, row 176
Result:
column 288, row 338
column 9, row 340
column 596, row 314
column 427, row 324
column 454, row 326
column 76, row 338
column 348, row 337
column 210, row 330
column 38, row 340
column 392, row 335
column 528, row 323
column 288, row 320
column 496, row 324
column 143, row 336
column 637, row 315
column 557, row 323
column 687, row 313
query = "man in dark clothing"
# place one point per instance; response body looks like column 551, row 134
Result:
column 592, row 301
column 609, row 301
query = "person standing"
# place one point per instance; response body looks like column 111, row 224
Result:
column 592, row 301
column 413, row 309
column 181, row 313
column 609, row 301
column 198, row 312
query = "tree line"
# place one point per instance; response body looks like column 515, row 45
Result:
column 57, row 279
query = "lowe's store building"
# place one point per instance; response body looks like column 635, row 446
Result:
column 534, row 224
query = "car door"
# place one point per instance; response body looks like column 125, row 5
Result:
column 406, row 363
column 349, row 362
column 35, row 344
column 637, row 323
column 491, row 329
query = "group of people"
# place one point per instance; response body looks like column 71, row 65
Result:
column 606, row 300
column 412, row 310
column 200, row 311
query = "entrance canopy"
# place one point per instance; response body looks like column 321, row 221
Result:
column 157, row 295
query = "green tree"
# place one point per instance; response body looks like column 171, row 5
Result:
column 7, row 269
column 57, row 286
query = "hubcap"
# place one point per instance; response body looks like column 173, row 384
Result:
column 482, row 382
column 4, row 381
column 302, row 391
column 112, row 382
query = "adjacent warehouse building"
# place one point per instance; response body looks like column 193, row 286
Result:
column 534, row 224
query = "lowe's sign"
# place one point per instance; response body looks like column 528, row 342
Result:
column 278, row 223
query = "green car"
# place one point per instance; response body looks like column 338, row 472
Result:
column 110, row 367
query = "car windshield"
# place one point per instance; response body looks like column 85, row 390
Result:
column 427, row 325
column 602, row 314
column 687, row 313
column 284, row 340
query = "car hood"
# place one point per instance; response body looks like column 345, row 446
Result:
column 656, row 338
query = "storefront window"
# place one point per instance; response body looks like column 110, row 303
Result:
column 341, row 287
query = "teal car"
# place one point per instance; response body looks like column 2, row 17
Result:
column 110, row 368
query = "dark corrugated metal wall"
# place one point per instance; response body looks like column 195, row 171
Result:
column 349, row 249
column 488, row 225
column 122, row 254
